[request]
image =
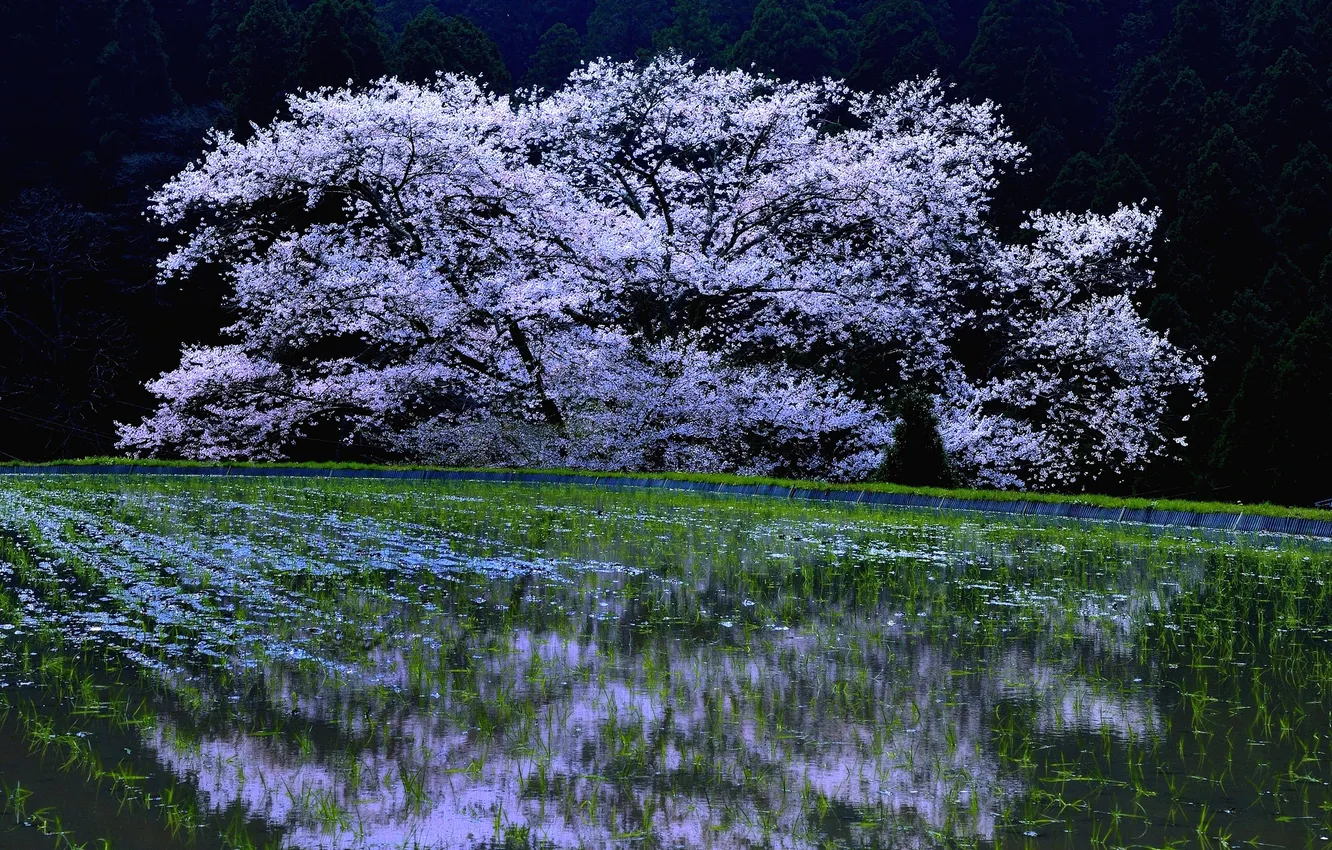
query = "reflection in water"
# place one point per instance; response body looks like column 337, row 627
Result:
column 717, row 749
column 371, row 666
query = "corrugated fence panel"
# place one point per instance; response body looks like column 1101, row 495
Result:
column 688, row 485
column 1094, row 512
column 1047, row 509
column 844, row 495
column 905, row 500
column 1221, row 521
column 972, row 505
column 1278, row 524
column 1249, row 522
column 1142, row 515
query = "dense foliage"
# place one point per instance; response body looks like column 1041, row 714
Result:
column 1214, row 111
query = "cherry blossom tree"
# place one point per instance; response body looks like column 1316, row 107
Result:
column 656, row 267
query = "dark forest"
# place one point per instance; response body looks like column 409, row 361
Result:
column 1216, row 111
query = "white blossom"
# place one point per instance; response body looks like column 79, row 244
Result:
column 657, row 267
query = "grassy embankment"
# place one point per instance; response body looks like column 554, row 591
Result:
column 995, row 495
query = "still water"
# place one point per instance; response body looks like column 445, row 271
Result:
column 218, row 663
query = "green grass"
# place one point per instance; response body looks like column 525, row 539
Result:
column 1131, row 503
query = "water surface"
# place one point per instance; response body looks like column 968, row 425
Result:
column 216, row 663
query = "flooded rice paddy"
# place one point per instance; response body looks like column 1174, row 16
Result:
column 221, row 663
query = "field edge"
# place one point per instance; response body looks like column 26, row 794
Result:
column 1167, row 512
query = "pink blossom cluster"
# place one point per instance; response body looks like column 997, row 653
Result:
column 657, row 267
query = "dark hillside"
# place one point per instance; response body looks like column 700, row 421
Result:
column 1218, row 111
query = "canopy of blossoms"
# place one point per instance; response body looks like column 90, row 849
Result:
column 657, row 267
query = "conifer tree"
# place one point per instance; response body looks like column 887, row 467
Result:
column 917, row 457
column 1204, row 37
column 803, row 40
column 369, row 47
column 341, row 42
column 1273, row 27
column 219, row 44
column 1024, row 56
column 1303, row 199
column 132, row 81
column 1242, row 455
column 185, row 25
column 620, row 29
column 1216, row 236
column 431, row 43
column 1287, row 108
column 326, row 49
column 132, row 78
column 1161, row 122
column 264, row 60
column 1302, row 407
column 1320, row 34
column 897, row 40
column 556, row 56
column 692, row 33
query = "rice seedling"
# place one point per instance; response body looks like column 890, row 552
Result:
column 337, row 663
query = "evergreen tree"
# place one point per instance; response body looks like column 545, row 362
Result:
column 1274, row 27
column 1303, row 201
column 621, row 29
column 1285, row 293
column 1320, row 34
column 341, row 42
column 1217, row 241
column 1204, row 37
column 132, row 80
column 1161, row 123
column 516, row 26
column 132, row 75
column 1124, row 182
column 1301, row 408
column 555, row 58
column 897, row 40
column 219, row 45
column 1288, row 107
column 799, row 39
column 692, row 33
column 1025, row 58
column 733, row 17
column 1077, row 184
column 1242, row 454
column 1038, row 109
column 917, row 457
column 1092, row 24
column 326, row 49
column 1139, row 27
column 264, row 60
column 369, row 47
column 431, row 43
column 396, row 14
column 185, row 25
column 1091, row 182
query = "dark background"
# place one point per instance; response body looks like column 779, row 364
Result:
column 1218, row 111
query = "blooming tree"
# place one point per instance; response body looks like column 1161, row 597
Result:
column 656, row 267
